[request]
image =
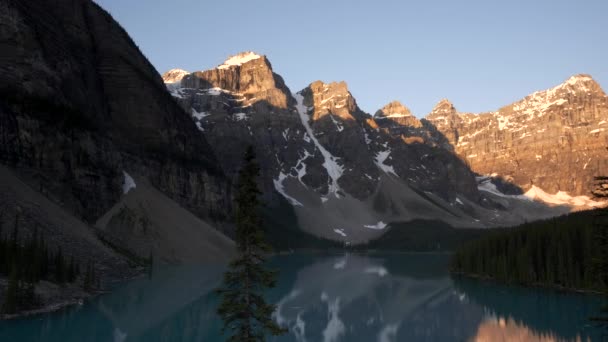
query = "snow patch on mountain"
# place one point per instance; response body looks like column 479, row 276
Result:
column 199, row 115
column 198, row 118
column 381, row 158
column 334, row 170
column 395, row 115
column 128, row 183
column 278, row 185
column 340, row 232
column 239, row 116
column 366, row 137
column 300, row 167
column 537, row 194
column 484, row 183
column 239, row 59
column 561, row 198
column 379, row 226
column 339, row 127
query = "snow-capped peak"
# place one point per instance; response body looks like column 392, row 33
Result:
column 540, row 101
column 239, row 59
column 174, row 75
column 576, row 79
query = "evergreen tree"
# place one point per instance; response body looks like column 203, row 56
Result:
column 246, row 315
column 11, row 298
column 565, row 252
column 88, row 281
column 71, row 275
column 26, row 262
column 60, row 271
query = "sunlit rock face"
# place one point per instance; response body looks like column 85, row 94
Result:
column 396, row 115
column 554, row 139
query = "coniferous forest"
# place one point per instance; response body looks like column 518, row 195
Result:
column 567, row 252
column 25, row 262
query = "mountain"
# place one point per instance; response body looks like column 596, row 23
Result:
column 87, row 123
column 345, row 173
column 92, row 145
column 113, row 164
column 552, row 141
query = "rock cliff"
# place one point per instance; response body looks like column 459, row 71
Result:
column 344, row 172
column 81, row 108
column 553, row 139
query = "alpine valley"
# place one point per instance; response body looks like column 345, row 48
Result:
column 115, row 165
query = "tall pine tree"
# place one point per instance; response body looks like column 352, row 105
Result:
column 246, row 315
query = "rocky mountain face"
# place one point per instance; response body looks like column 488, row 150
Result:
column 344, row 173
column 396, row 116
column 81, row 109
column 554, row 140
column 88, row 124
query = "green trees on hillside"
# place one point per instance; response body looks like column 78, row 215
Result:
column 246, row 315
column 562, row 252
column 26, row 262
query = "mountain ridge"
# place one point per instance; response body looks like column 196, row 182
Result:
column 337, row 157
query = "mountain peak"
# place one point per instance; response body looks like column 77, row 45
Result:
column 444, row 102
column 575, row 79
column 393, row 109
column 174, row 75
column 333, row 98
column 443, row 107
column 581, row 83
column 335, row 87
column 239, row 59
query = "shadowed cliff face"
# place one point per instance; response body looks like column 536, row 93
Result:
column 554, row 139
column 80, row 104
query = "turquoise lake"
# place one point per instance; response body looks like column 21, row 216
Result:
column 323, row 297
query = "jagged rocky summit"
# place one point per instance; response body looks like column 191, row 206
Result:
column 346, row 173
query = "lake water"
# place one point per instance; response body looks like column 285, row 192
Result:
column 384, row 297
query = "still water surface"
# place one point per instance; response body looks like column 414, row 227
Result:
column 384, row 297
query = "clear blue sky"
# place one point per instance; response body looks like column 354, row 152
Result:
column 480, row 54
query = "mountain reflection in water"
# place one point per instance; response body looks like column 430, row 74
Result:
column 383, row 297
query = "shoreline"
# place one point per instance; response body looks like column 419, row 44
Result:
column 55, row 307
column 80, row 299
column 541, row 286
